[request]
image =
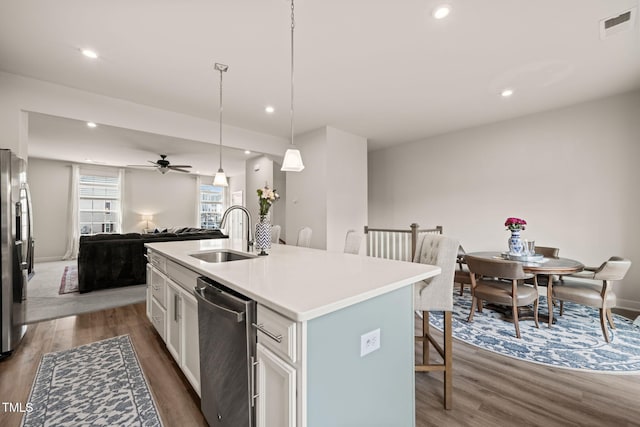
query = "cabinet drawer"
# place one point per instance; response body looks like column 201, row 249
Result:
column 278, row 326
column 184, row 277
column 158, row 315
column 158, row 287
column 157, row 261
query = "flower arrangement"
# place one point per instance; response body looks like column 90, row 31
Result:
column 515, row 224
column 266, row 197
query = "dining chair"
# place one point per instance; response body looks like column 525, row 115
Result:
column 547, row 252
column 304, row 237
column 436, row 294
column 462, row 275
column 275, row 233
column 593, row 287
column 352, row 242
column 501, row 282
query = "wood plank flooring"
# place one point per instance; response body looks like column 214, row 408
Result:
column 489, row 389
column 178, row 404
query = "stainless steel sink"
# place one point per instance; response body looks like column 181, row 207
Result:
column 220, row 256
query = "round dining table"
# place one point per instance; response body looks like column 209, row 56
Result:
column 547, row 266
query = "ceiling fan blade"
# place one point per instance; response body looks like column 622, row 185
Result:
column 175, row 168
column 179, row 166
column 153, row 163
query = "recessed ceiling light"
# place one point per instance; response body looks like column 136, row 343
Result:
column 441, row 11
column 247, row 152
column 269, row 109
column 506, row 93
column 89, row 53
column 88, row 160
column 92, row 125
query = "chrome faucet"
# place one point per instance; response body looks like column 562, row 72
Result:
column 249, row 228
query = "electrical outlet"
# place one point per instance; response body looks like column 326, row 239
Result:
column 369, row 342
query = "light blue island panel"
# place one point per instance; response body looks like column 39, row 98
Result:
column 346, row 390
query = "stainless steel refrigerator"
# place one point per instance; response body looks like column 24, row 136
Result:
column 16, row 248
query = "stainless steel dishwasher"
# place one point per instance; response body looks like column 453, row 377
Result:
column 227, row 352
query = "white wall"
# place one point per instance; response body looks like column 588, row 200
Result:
column 280, row 209
column 347, row 184
column 571, row 173
column 330, row 194
column 50, row 182
column 258, row 172
column 171, row 198
column 306, row 191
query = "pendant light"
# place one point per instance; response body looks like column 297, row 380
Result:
column 292, row 158
column 220, row 180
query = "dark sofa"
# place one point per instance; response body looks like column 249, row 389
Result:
column 115, row 260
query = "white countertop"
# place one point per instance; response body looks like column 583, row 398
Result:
column 300, row 283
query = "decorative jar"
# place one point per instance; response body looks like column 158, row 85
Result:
column 263, row 235
column 515, row 244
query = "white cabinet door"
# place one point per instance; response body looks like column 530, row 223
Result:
column 190, row 340
column 158, row 318
column 276, row 386
column 149, row 293
column 173, row 303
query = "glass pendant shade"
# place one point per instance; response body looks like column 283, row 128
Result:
column 220, row 179
column 292, row 161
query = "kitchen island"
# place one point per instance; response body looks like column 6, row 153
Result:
column 345, row 322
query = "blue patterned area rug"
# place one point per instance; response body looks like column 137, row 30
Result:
column 98, row 384
column 574, row 342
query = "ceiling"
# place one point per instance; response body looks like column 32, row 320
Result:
column 65, row 139
column 382, row 69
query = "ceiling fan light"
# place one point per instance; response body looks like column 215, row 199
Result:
column 292, row 161
column 162, row 170
column 220, row 179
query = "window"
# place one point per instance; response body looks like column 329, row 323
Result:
column 99, row 205
column 211, row 206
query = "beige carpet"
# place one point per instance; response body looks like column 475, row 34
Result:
column 44, row 302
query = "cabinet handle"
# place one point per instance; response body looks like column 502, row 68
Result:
column 176, row 303
column 254, row 374
column 260, row 327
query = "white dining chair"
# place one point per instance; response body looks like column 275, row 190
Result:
column 352, row 242
column 304, row 237
column 275, row 233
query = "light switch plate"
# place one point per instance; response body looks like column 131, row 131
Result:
column 369, row 342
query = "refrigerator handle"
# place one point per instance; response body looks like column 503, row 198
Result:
column 18, row 220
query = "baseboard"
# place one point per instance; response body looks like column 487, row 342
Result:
column 48, row 259
column 628, row 304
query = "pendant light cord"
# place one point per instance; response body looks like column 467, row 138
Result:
column 293, row 25
column 220, row 151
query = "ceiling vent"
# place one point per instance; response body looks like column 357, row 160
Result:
column 617, row 24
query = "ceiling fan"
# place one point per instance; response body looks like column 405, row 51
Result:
column 163, row 165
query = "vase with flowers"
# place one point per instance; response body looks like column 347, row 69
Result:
column 515, row 226
column 266, row 198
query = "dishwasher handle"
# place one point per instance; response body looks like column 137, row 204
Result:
column 238, row 316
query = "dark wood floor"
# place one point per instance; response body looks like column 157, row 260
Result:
column 178, row 404
column 489, row 389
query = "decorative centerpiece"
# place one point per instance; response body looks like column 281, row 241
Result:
column 515, row 225
column 266, row 198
